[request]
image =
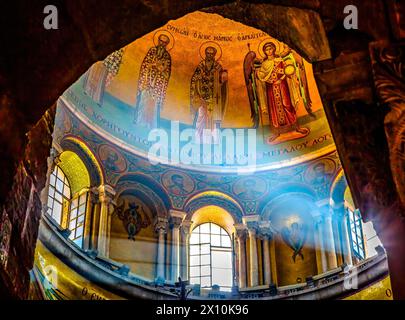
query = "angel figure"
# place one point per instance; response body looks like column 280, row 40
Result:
column 295, row 237
column 132, row 219
column 276, row 84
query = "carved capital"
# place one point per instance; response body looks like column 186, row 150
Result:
column 176, row 218
column 53, row 153
column 240, row 231
column 94, row 196
column 340, row 211
column 161, row 225
column 266, row 231
column 106, row 193
column 186, row 227
column 252, row 224
column 318, row 220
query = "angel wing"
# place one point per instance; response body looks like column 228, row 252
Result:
column 286, row 235
column 119, row 211
column 248, row 69
column 300, row 242
column 301, row 80
column 144, row 221
column 297, row 245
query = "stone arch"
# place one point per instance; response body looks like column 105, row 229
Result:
column 338, row 188
column 136, row 244
column 147, row 189
column 81, row 148
column 219, row 199
column 293, row 215
column 39, row 96
column 75, row 171
column 281, row 191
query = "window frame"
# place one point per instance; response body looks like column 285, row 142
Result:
column 224, row 246
column 53, row 188
column 355, row 227
column 78, row 239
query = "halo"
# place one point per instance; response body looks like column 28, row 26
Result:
column 329, row 164
column 210, row 44
column 166, row 33
column 280, row 47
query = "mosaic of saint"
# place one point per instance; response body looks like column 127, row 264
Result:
column 223, row 75
column 275, row 85
column 153, row 81
column 209, row 90
column 133, row 215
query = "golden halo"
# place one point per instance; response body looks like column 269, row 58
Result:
column 210, row 44
column 166, row 33
column 280, row 47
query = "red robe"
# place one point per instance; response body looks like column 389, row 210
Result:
column 281, row 109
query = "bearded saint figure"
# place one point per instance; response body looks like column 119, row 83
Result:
column 208, row 93
column 101, row 74
column 275, row 87
column 152, row 84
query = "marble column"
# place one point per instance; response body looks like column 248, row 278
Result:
column 176, row 218
column 95, row 218
column 106, row 194
column 266, row 261
column 266, row 235
column 161, row 225
column 92, row 200
column 185, row 230
column 319, row 245
column 241, row 240
column 337, row 235
column 329, row 240
column 346, row 246
column 253, row 263
column 273, row 262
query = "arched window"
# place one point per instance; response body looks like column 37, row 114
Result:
column 66, row 209
column 58, row 194
column 211, row 257
column 356, row 233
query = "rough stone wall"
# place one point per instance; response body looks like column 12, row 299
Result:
column 23, row 206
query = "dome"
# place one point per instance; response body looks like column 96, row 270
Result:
column 155, row 104
column 203, row 153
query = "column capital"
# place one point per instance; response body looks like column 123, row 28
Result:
column 318, row 219
column 94, row 196
column 53, row 153
column 161, row 224
column 106, row 193
column 337, row 205
column 176, row 218
column 340, row 211
column 266, row 230
column 323, row 203
column 251, row 222
column 240, row 231
column 56, row 160
column 252, row 229
column 186, row 227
